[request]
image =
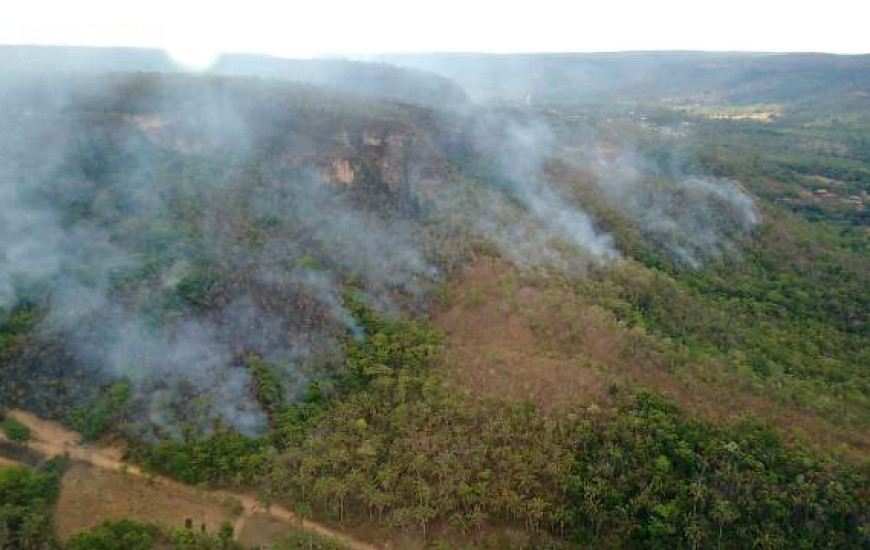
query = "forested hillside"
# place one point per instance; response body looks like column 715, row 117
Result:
column 578, row 322
column 671, row 77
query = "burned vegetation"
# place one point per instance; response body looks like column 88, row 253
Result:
column 431, row 321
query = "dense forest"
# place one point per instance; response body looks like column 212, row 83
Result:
column 568, row 323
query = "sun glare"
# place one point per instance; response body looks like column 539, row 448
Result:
column 193, row 58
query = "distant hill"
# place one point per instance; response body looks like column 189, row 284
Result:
column 354, row 77
column 368, row 79
column 48, row 59
column 678, row 76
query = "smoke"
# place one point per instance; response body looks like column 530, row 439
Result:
column 522, row 158
column 53, row 236
column 171, row 250
column 695, row 218
column 175, row 226
column 510, row 204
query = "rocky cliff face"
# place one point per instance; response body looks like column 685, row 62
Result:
column 403, row 161
column 338, row 171
column 394, row 150
column 185, row 224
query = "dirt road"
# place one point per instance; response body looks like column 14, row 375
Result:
column 51, row 439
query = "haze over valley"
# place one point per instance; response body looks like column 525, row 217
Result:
column 434, row 300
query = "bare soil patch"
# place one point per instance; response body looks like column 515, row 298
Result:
column 259, row 528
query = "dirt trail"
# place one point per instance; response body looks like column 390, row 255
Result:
column 52, row 439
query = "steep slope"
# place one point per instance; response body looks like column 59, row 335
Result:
column 234, row 276
column 254, row 202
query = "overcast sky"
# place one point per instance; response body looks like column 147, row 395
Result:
column 196, row 29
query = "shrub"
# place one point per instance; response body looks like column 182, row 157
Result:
column 14, row 429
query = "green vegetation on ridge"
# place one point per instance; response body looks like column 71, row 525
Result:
column 317, row 382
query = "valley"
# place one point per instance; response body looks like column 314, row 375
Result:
column 458, row 301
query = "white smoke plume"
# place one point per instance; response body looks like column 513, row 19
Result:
column 174, row 226
column 695, row 218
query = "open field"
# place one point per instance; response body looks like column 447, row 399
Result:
column 91, row 495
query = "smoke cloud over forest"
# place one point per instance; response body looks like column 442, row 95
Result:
column 167, row 229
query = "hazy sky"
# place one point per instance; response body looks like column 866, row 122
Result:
column 200, row 29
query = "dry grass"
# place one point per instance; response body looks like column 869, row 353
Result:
column 758, row 113
column 7, row 463
column 89, row 496
column 493, row 348
column 519, row 336
column 258, row 528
